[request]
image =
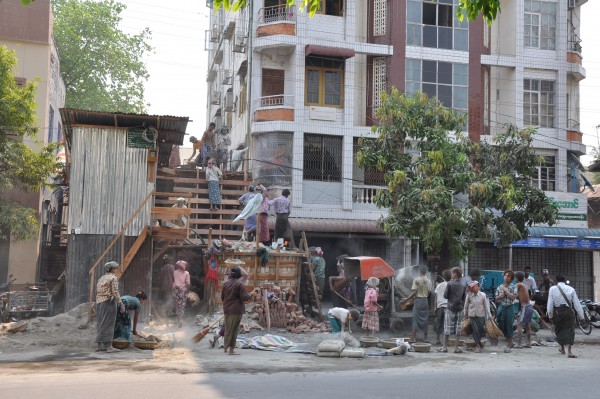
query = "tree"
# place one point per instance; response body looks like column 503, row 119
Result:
column 469, row 8
column 456, row 191
column 101, row 65
column 21, row 167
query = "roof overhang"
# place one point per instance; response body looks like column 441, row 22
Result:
column 332, row 225
column 312, row 49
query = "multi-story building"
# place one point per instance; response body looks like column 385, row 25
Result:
column 300, row 91
column 28, row 31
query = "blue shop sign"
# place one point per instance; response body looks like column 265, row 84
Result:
column 570, row 243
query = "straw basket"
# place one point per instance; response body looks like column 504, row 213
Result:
column 120, row 344
column 492, row 329
column 389, row 343
column 146, row 345
column 369, row 342
column 421, row 347
column 193, row 299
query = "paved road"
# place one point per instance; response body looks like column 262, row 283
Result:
column 565, row 382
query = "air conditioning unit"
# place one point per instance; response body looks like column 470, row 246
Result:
column 227, row 79
column 229, row 106
column 239, row 43
column 571, row 4
column 215, row 98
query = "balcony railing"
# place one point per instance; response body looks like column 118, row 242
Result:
column 278, row 101
column 575, row 43
column 272, row 14
column 363, row 194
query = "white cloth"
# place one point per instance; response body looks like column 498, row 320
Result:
column 251, row 208
column 530, row 283
column 339, row 313
column 556, row 299
column 441, row 302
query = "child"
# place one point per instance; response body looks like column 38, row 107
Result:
column 213, row 176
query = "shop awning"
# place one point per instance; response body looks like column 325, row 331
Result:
column 561, row 232
column 312, row 49
column 332, row 225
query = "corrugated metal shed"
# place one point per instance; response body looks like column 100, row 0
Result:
column 108, row 182
column 171, row 129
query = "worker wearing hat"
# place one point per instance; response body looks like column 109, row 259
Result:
column 107, row 299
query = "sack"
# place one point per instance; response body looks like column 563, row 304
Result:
column 465, row 327
column 492, row 329
column 407, row 304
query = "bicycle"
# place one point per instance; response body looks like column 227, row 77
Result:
column 584, row 325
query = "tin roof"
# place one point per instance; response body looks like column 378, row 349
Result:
column 171, row 129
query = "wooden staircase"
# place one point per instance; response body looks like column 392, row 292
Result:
column 202, row 220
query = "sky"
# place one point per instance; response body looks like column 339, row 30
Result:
column 177, row 67
column 177, row 83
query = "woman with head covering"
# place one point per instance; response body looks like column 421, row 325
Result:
column 107, row 299
column 181, row 284
column 477, row 309
column 233, row 296
column 371, row 316
column 123, row 324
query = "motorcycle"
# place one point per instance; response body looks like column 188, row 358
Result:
column 593, row 309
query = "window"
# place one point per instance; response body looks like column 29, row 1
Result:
column 540, row 24
column 538, row 103
column 50, row 125
column 332, row 7
column 379, row 80
column 433, row 23
column 379, row 17
column 324, row 83
column 444, row 80
column 322, row 158
column 546, row 175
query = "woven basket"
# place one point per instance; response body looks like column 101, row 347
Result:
column 193, row 299
column 421, row 347
column 389, row 343
column 406, row 304
column 146, row 345
column 369, row 342
column 120, row 344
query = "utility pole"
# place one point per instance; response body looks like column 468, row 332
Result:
column 250, row 52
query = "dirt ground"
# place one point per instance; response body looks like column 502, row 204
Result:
column 66, row 343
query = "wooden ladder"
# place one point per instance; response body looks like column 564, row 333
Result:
column 313, row 281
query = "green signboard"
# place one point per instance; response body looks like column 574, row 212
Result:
column 139, row 137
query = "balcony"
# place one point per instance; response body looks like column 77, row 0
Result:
column 363, row 196
column 276, row 20
column 574, row 49
column 274, row 108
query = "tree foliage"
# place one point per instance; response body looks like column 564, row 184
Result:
column 101, row 65
column 21, row 167
column 466, row 8
column 445, row 189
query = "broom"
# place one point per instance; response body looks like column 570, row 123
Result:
column 198, row 337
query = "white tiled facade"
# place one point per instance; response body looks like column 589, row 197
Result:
column 279, row 38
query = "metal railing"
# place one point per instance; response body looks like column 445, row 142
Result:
column 272, row 14
column 278, row 101
column 364, row 194
column 575, row 43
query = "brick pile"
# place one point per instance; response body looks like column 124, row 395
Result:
column 287, row 315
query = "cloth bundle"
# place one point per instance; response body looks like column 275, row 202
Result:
column 352, row 352
column 330, row 348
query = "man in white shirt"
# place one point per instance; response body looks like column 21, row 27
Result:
column 562, row 299
column 529, row 281
column 441, row 305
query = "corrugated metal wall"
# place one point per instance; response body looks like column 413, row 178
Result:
column 108, row 182
column 83, row 251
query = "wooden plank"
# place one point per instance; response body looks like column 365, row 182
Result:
column 137, row 244
column 157, row 210
column 167, row 171
column 193, row 180
column 228, row 222
column 313, row 280
column 205, row 191
column 199, row 201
